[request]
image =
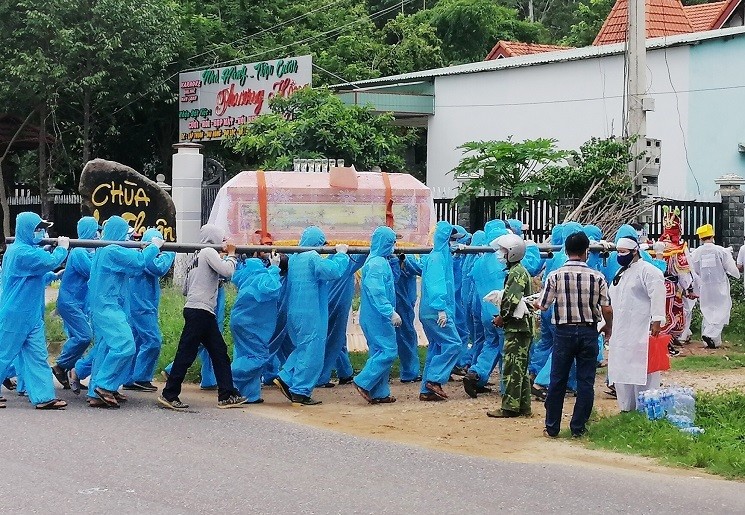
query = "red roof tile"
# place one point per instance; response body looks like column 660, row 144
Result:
column 704, row 16
column 664, row 18
column 516, row 48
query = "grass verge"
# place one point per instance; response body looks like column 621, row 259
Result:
column 721, row 450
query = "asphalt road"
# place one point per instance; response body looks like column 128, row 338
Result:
column 144, row 459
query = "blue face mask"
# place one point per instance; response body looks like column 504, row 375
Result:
column 625, row 259
column 39, row 235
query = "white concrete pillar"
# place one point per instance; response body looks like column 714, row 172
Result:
column 188, row 164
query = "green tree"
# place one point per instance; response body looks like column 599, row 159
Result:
column 588, row 19
column 409, row 45
column 507, row 167
column 314, row 123
column 470, row 28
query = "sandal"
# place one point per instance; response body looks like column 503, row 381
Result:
column 54, row 404
column 384, row 400
column 120, row 397
column 106, row 396
column 539, row 392
column 364, row 393
column 10, row 383
column 436, row 389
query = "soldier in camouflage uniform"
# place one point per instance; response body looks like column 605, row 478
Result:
column 517, row 331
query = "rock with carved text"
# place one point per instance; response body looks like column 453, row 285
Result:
column 109, row 188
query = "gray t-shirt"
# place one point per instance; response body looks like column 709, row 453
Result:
column 202, row 280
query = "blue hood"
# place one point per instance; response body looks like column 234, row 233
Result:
column 570, row 228
column 115, row 229
column 479, row 239
column 312, row 237
column 87, row 228
column 382, row 242
column 593, row 232
column 441, row 238
column 494, row 232
column 466, row 239
column 626, row 231
column 492, row 225
column 250, row 267
column 150, row 234
column 516, row 226
column 556, row 237
column 26, row 223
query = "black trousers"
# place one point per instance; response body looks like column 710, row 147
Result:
column 200, row 327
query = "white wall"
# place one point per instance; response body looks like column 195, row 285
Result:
column 570, row 102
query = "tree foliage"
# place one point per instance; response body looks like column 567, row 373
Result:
column 314, row 123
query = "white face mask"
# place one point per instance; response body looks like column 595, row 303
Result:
column 39, row 234
column 501, row 256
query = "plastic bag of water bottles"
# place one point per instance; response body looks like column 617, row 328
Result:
column 676, row 404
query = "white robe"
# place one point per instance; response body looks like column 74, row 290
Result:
column 711, row 264
column 637, row 300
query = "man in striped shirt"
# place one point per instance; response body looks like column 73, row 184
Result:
column 580, row 298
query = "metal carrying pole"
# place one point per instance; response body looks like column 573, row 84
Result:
column 545, row 249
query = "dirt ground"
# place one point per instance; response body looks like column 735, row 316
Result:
column 460, row 425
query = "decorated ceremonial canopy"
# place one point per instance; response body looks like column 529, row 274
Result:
column 275, row 207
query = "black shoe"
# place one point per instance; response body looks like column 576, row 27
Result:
column 210, row 388
column 672, row 351
column 133, row 387
column 483, row 389
column 709, row 342
column 471, row 384
column 538, row 392
column 10, row 384
column 346, row 380
column 326, row 385
column 415, row 380
column 304, row 400
column 284, row 388
column 60, row 374
column 146, row 386
column 459, row 371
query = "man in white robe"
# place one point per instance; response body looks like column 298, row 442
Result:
column 712, row 263
column 637, row 295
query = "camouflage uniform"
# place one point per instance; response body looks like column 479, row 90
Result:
column 517, row 338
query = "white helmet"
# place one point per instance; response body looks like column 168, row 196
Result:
column 512, row 245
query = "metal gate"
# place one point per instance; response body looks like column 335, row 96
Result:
column 213, row 177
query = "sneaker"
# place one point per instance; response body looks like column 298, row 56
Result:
column 175, row 404
column 471, row 384
column 709, row 342
column 304, row 400
column 60, row 374
column 549, row 435
column 234, row 401
column 164, row 374
column 74, row 380
column 210, row 388
column 146, row 386
column 672, row 351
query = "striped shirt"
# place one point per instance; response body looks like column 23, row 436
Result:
column 578, row 292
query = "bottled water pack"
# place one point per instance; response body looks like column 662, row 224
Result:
column 676, row 404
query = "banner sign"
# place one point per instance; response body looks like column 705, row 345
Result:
column 215, row 103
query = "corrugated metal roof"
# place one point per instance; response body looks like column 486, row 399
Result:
column 546, row 58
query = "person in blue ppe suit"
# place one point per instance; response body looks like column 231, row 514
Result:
column 488, row 274
column 280, row 345
column 461, row 321
column 145, row 301
column 406, row 269
column 437, row 314
column 72, row 303
column 22, row 333
column 378, row 319
column 473, row 311
column 112, row 267
column 252, row 322
column 532, row 260
column 341, row 294
column 309, row 276
column 595, row 261
column 208, row 380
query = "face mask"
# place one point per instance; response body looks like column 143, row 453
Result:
column 625, row 259
column 501, row 257
column 39, row 235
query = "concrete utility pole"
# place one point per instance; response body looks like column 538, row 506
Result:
column 636, row 56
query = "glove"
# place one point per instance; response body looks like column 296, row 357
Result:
column 64, row 242
column 158, row 242
column 659, row 247
column 459, row 246
column 274, row 258
column 342, row 248
column 396, row 320
column 442, row 319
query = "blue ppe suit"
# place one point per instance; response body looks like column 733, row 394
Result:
column 488, row 274
column 112, row 267
column 72, row 301
column 280, row 345
column 308, row 278
column 341, row 293
column 461, row 321
column 475, row 329
column 438, row 295
column 144, row 303
column 377, row 305
column 252, row 322
column 405, row 275
column 22, row 335
column 595, row 261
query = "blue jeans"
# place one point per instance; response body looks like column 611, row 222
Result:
column 580, row 343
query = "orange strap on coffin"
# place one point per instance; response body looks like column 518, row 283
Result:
column 388, row 201
column 265, row 237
